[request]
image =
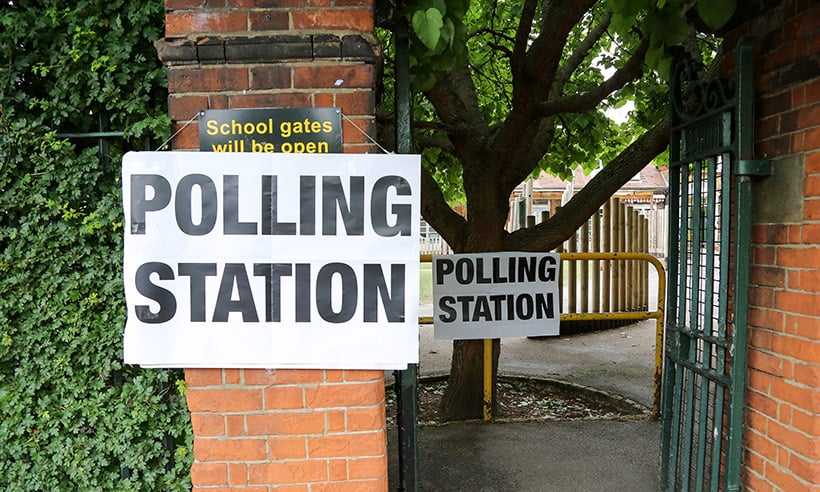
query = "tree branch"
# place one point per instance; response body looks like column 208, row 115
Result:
column 429, row 125
column 581, row 51
column 494, row 33
column 578, row 103
column 544, row 53
column 549, row 234
column 454, row 98
column 430, row 142
column 524, row 133
column 522, row 35
column 436, row 211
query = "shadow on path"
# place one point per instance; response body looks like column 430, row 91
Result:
column 552, row 456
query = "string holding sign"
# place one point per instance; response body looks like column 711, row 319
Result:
column 176, row 133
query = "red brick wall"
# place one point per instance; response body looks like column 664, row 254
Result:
column 304, row 430
column 283, row 430
column 782, row 433
column 234, row 54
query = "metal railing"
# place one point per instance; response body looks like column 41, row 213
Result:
column 657, row 315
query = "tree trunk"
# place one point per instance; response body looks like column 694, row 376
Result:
column 464, row 397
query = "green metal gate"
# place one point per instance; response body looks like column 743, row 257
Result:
column 709, row 223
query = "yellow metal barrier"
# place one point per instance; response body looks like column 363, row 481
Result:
column 628, row 315
column 632, row 315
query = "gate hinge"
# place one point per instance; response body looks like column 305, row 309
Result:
column 754, row 167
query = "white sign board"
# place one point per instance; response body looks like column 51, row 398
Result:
column 271, row 260
column 496, row 295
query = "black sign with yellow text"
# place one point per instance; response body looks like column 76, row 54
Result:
column 285, row 130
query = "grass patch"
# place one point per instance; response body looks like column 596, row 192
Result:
column 426, row 283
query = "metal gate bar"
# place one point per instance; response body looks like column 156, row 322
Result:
column 697, row 346
column 705, row 346
column 746, row 167
column 406, row 380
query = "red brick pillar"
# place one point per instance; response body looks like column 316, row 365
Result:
column 284, row 430
column 782, row 427
column 304, row 430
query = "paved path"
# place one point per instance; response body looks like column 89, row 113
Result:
column 559, row 456
column 619, row 360
column 568, row 456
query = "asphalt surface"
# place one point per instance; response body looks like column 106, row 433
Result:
column 557, row 455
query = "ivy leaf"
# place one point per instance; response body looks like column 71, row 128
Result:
column 427, row 25
column 74, row 418
column 716, row 13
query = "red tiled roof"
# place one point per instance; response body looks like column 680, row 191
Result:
column 650, row 178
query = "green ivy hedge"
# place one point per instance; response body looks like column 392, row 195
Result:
column 72, row 416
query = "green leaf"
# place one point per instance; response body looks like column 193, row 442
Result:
column 427, row 25
column 716, row 13
column 458, row 8
column 448, row 32
column 665, row 67
column 622, row 24
column 617, row 6
column 423, row 80
column 72, row 417
column 667, row 26
column 627, row 7
column 654, row 56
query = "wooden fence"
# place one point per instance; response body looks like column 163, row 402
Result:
column 434, row 246
column 598, row 286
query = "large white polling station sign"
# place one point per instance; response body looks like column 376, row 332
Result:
column 495, row 295
column 271, row 260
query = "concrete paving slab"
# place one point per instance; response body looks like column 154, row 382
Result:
column 550, row 456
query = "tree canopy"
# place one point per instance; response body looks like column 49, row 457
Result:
column 506, row 89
